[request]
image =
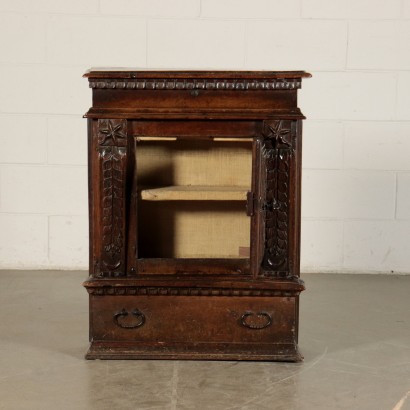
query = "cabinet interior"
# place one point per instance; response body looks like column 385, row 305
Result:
column 192, row 197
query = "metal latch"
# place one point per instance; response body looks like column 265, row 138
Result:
column 250, row 203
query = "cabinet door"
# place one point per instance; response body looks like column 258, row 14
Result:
column 276, row 187
column 192, row 180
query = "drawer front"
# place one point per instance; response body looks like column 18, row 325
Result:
column 184, row 319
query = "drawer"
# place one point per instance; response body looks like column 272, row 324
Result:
column 191, row 320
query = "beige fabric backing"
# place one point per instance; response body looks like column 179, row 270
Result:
column 193, row 198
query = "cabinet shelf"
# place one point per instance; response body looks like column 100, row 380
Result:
column 195, row 193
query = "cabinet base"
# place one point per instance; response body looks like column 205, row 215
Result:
column 201, row 351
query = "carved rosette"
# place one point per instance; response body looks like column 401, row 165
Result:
column 278, row 153
column 112, row 133
column 112, row 142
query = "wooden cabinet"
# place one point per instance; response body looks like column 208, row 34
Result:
column 194, row 201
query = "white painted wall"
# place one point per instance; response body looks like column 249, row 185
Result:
column 356, row 194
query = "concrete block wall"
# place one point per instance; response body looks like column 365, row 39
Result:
column 356, row 192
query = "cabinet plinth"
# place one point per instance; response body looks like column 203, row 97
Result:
column 194, row 209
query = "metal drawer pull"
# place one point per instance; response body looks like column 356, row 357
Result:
column 259, row 320
column 139, row 315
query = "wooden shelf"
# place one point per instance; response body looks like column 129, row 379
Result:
column 215, row 139
column 195, row 193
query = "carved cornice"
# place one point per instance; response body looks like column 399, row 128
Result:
column 198, row 84
column 186, row 291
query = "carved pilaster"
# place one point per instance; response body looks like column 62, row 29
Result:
column 112, row 160
column 277, row 153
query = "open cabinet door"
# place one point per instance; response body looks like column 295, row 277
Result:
column 275, row 195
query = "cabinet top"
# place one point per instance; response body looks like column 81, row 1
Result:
column 133, row 93
column 134, row 73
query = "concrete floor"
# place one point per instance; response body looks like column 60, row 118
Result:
column 355, row 335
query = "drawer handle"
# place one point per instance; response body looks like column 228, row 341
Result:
column 123, row 313
column 263, row 320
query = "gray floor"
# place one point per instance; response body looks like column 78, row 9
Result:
column 355, row 335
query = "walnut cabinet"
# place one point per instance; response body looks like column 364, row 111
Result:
column 194, row 209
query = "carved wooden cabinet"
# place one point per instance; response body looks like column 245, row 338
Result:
column 194, row 201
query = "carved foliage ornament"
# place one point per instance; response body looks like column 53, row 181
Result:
column 112, row 151
column 278, row 152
